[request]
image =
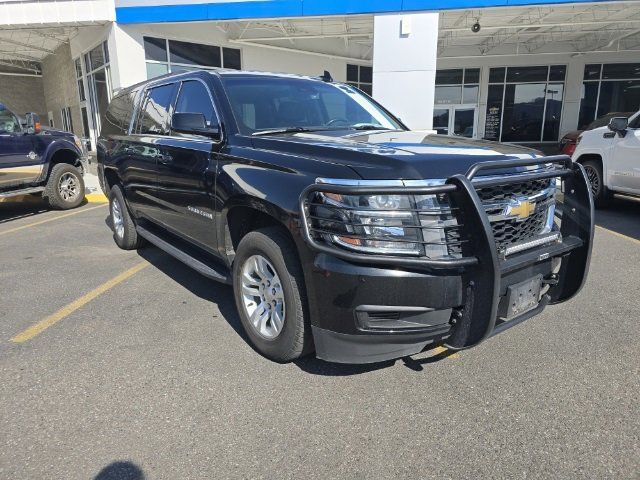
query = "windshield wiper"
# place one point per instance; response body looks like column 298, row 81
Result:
column 277, row 131
column 368, row 126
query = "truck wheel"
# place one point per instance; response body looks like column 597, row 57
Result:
column 124, row 230
column 270, row 295
column 601, row 195
column 65, row 187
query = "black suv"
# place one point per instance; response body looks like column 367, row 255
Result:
column 43, row 161
column 339, row 229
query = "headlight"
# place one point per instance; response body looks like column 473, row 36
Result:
column 578, row 140
column 384, row 224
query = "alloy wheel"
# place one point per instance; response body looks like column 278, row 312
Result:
column 263, row 297
column 117, row 219
column 68, row 187
column 594, row 179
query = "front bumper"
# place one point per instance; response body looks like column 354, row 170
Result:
column 453, row 302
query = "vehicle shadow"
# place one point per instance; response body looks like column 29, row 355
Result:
column 26, row 207
column 121, row 470
column 29, row 206
column 621, row 216
column 222, row 296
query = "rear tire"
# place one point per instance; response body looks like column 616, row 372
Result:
column 601, row 194
column 124, row 228
column 65, row 188
column 270, row 295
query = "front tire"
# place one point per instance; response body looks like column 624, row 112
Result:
column 65, row 188
column 270, row 295
column 124, row 228
column 601, row 195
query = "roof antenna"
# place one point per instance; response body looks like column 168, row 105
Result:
column 326, row 77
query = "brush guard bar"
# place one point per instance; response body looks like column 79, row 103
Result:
column 482, row 271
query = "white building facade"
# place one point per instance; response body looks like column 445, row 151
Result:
column 494, row 69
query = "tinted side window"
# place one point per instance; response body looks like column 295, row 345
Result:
column 194, row 98
column 154, row 115
column 8, row 121
column 118, row 116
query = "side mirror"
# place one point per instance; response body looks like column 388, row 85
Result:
column 194, row 124
column 33, row 123
column 618, row 124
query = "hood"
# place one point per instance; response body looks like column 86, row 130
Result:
column 405, row 155
column 55, row 132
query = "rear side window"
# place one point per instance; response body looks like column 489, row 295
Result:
column 194, row 98
column 154, row 115
column 118, row 116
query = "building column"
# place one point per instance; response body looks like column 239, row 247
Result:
column 404, row 66
column 127, row 61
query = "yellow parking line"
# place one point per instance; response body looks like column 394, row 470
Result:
column 96, row 198
column 67, row 310
column 443, row 351
column 57, row 217
column 620, row 235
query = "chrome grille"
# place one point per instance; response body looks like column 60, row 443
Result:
column 502, row 205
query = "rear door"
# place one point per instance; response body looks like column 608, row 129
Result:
column 145, row 147
column 186, row 171
column 624, row 165
column 19, row 164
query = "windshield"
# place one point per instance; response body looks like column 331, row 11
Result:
column 261, row 104
column 602, row 121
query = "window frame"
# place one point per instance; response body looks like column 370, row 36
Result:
column 142, row 105
column 213, row 103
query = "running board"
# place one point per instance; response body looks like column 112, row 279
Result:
column 24, row 191
column 199, row 266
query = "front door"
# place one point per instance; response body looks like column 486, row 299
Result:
column 186, row 172
column 624, row 168
column 456, row 120
column 19, row 164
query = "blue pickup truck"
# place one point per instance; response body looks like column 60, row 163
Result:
column 36, row 160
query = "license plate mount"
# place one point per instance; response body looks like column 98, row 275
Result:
column 522, row 297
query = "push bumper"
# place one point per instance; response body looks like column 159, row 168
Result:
column 463, row 296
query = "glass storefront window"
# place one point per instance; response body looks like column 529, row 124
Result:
column 553, row 112
column 155, row 49
column 194, row 54
column 470, row 93
column 619, row 96
column 608, row 88
column 523, row 112
column 523, row 105
column 448, row 94
column 164, row 56
column 457, row 86
column 156, row 69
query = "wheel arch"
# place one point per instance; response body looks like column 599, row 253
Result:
column 247, row 214
column 64, row 155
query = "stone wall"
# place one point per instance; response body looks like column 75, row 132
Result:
column 61, row 87
column 22, row 94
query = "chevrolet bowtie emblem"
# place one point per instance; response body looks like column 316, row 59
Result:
column 522, row 210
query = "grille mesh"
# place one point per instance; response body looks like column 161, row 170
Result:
column 512, row 231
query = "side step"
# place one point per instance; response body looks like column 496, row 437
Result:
column 24, row 191
column 199, row 266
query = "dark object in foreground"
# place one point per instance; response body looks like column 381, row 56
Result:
column 340, row 230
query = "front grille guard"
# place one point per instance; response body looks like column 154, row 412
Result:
column 482, row 272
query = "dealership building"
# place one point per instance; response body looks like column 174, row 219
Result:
column 517, row 71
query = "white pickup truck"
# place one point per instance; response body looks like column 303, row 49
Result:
column 611, row 158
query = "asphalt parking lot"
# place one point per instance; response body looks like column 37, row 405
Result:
column 127, row 365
